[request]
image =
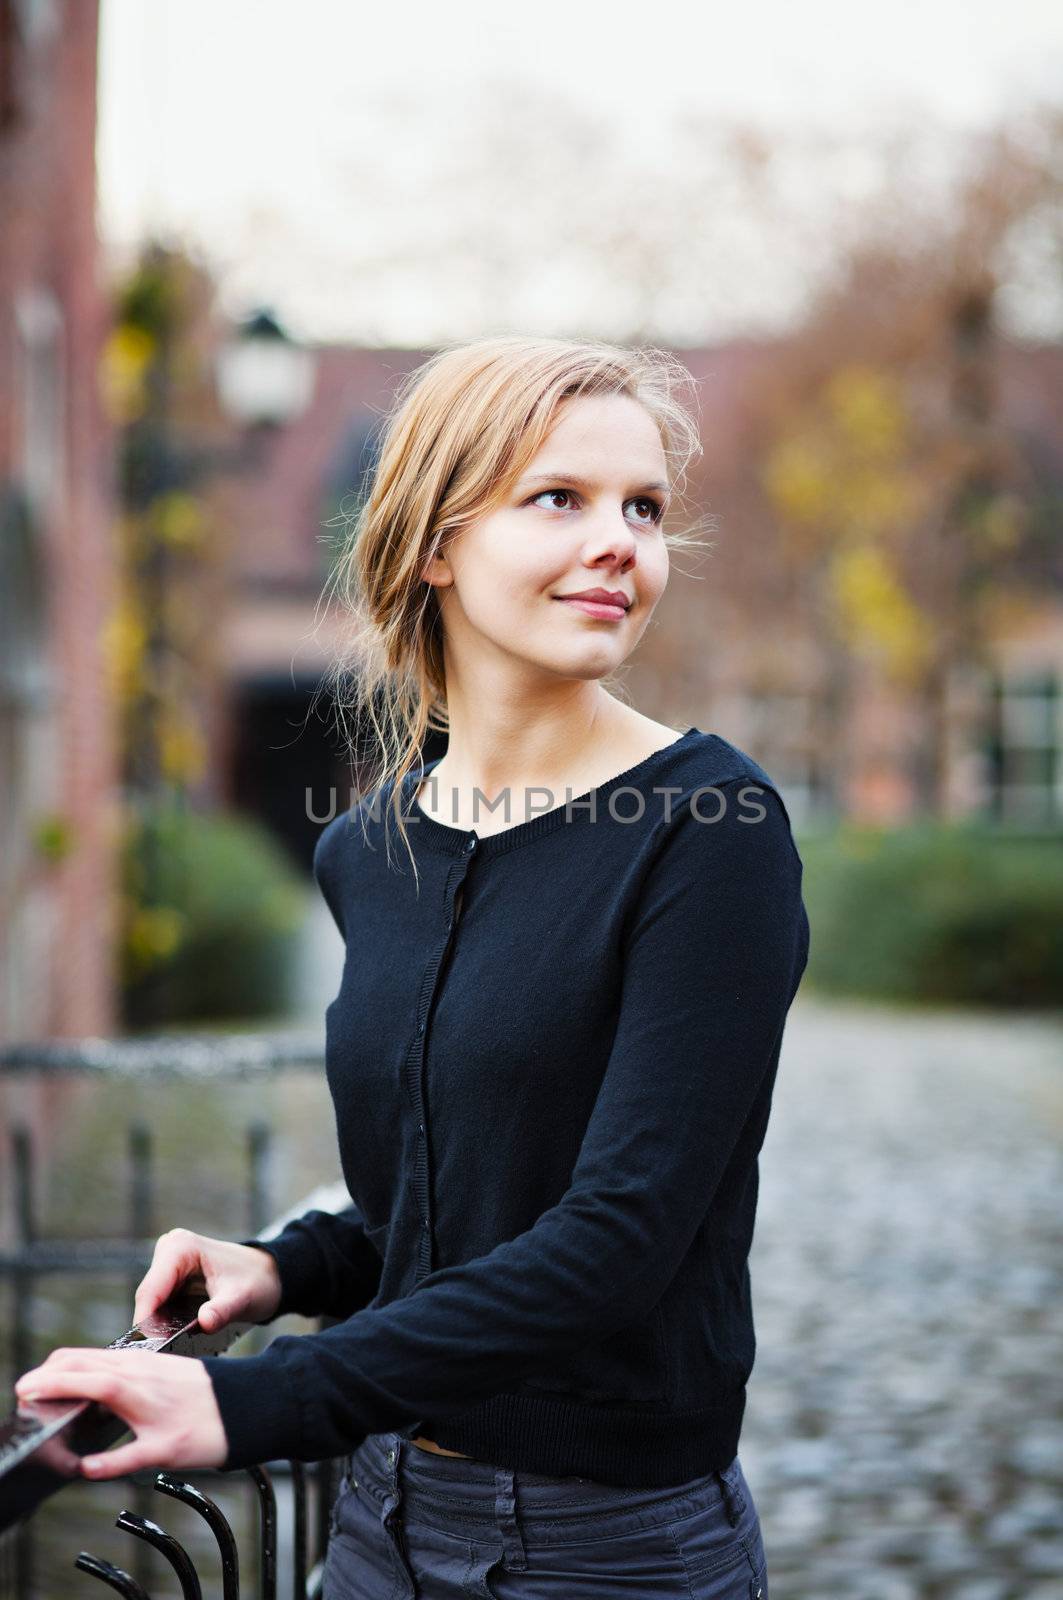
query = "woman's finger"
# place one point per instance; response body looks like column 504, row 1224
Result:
column 31, row 1382
column 222, row 1307
column 79, row 1382
column 176, row 1256
column 57, row 1458
column 127, row 1458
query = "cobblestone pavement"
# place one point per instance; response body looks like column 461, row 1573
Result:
column 904, row 1429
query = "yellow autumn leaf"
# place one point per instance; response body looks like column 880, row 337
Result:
column 1002, row 523
column 797, row 481
column 124, row 361
column 153, row 933
column 124, row 642
column 182, row 749
column 178, row 520
column 869, row 412
column 876, row 617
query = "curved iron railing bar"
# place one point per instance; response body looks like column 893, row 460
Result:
column 218, row 1523
column 298, row 1472
column 267, row 1500
column 166, row 1545
column 117, row 1577
column 41, row 1441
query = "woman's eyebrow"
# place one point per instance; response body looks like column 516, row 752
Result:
column 585, row 483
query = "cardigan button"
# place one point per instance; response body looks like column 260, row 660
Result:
column 420, row 1129
column 470, row 843
column 420, row 1027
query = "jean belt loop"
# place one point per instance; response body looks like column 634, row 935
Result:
column 514, row 1557
column 394, row 1445
column 734, row 1478
column 731, row 1497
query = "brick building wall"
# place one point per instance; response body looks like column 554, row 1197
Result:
column 57, row 746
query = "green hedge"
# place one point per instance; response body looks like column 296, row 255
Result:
column 211, row 912
column 953, row 913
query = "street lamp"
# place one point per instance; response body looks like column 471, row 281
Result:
column 263, row 376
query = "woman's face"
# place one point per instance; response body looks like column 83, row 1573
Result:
column 586, row 514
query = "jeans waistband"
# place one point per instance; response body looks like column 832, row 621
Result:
column 476, row 1499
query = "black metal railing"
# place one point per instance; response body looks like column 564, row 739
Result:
column 40, row 1447
column 40, row 1443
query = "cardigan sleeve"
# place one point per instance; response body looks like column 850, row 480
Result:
column 327, row 1265
column 714, row 952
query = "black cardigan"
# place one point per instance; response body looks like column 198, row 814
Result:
column 549, row 1110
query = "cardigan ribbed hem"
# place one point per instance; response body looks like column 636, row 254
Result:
column 629, row 1447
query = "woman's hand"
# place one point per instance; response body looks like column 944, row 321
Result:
column 243, row 1283
column 168, row 1401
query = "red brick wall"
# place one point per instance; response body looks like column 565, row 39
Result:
column 58, row 919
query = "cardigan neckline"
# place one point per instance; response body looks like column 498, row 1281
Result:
column 450, row 840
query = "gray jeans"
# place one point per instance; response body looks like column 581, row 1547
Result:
column 412, row 1525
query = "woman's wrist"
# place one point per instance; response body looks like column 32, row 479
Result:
column 269, row 1298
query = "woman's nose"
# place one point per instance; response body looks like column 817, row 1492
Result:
column 613, row 539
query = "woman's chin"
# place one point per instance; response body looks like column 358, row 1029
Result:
column 584, row 665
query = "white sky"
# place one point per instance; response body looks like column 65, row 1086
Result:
column 407, row 173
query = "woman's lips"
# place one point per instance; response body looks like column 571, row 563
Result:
column 595, row 608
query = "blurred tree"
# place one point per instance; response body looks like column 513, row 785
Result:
column 164, row 635
column 904, row 507
column 163, row 638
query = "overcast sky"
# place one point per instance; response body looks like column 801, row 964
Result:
column 406, row 173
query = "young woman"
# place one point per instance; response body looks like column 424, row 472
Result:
column 553, row 1049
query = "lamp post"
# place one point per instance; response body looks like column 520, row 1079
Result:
column 264, row 378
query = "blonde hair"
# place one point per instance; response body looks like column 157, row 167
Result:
column 463, row 427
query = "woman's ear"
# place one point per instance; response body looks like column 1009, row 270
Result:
column 438, row 573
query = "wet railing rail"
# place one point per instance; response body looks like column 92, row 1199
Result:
column 41, row 1443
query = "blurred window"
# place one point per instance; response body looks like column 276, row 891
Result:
column 38, row 20
column 39, row 387
column 10, row 104
column 1026, row 739
column 24, row 664
column 26, row 27
column 783, row 739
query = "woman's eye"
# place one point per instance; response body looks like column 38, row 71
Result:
column 652, row 509
column 551, row 494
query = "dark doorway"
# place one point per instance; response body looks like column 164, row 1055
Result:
column 290, row 767
column 287, row 761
